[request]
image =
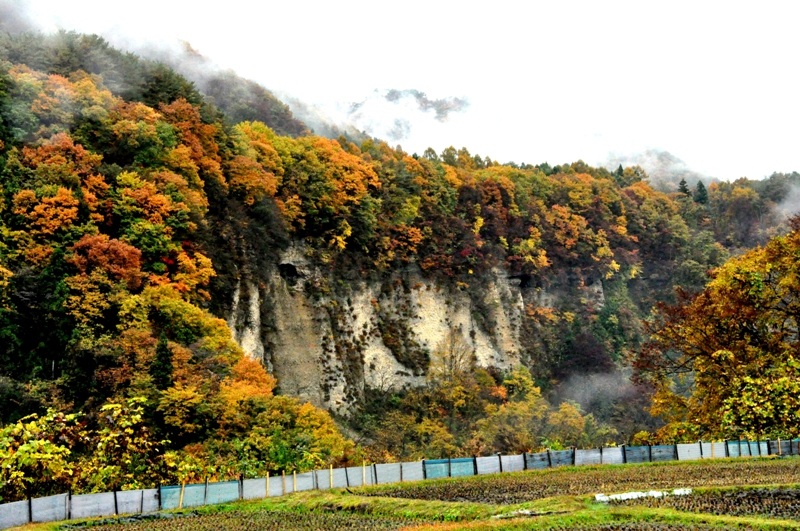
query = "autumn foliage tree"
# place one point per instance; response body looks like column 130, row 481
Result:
column 734, row 344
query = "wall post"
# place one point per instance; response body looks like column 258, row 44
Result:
column 180, row 501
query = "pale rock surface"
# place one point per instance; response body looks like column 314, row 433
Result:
column 301, row 347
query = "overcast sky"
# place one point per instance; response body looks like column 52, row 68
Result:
column 715, row 84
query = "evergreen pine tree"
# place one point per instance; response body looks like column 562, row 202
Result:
column 700, row 193
column 682, row 188
column 161, row 369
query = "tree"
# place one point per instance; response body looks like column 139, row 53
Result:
column 35, row 455
column 450, row 156
column 285, row 436
column 184, row 115
column 517, row 425
column 164, row 86
column 700, row 193
column 682, row 188
column 430, row 154
column 108, row 270
column 161, row 369
column 125, row 454
column 567, row 426
column 47, row 214
column 244, row 395
column 452, row 357
column 248, row 179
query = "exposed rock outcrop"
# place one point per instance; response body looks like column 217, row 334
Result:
column 326, row 348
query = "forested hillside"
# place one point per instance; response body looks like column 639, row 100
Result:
column 132, row 204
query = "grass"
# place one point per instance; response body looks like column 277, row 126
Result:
column 521, row 487
column 556, row 499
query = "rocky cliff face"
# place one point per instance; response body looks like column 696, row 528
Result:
column 326, row 348
column 326, row 345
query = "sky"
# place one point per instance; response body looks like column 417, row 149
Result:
column 713, row 83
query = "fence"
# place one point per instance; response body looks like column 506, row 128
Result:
column 68, row 507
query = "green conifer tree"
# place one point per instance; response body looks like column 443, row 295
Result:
column 700, row 193
column 682, row 188
column 161, row 369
